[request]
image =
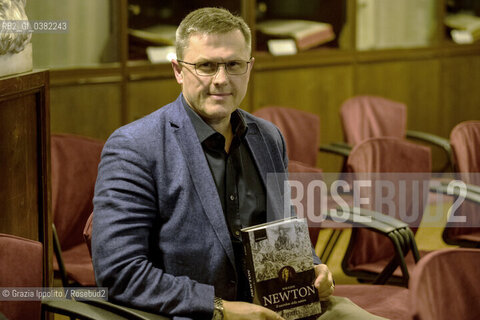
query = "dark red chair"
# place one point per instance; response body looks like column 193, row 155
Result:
column 368, row 116
column 20, row 266
column 444, row 286
column 300, row 129
column 465, row 142
column 386, row 159
column 74, row 161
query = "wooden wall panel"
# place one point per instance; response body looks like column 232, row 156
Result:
column 460, row 90
column 92, row 110
column 439, row 91
column 414, row 82
column 418, row 84
column 320, row 90
column 146, row 96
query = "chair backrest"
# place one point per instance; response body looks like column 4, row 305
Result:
column 465, row 142
column 444, row 285
column 300, row 129
column 367, row 116
column 21, row 265
column 385, row 161
column 74, row 161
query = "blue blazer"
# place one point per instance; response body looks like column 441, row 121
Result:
column 160, row 240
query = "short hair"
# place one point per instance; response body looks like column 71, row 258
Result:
column 209, row 21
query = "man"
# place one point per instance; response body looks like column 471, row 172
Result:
column 175, row 187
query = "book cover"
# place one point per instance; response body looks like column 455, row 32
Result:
column 279, row 266
column 307, row 34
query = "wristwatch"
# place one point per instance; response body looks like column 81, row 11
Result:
column 217, row 308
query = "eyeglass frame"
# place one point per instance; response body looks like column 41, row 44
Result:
column 218, row 67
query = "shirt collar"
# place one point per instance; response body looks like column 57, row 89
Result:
column 204, row 131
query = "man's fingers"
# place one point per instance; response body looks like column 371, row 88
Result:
column 325, row 293
column 324, row 281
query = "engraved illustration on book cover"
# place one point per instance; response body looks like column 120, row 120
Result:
column 280, row 270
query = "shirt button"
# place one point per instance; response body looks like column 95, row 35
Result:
column 237, row 232
column 232, row 197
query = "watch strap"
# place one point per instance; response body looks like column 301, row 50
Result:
column 217, row 308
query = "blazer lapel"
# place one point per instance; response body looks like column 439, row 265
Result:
column 259, row 149
column 201, row 177
column 262, row 155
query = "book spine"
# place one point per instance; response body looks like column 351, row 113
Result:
column 249, row 268
column 315, row 39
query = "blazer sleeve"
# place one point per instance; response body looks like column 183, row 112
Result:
column 125, row 210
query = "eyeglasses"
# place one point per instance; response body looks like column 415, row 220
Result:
column 210, row 68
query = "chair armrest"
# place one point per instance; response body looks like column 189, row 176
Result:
column 473, row 188
column 397, row 231
column 430, row 138
column 400, row 226
column 433, row 139
column 359, row 220
column 127, row 312
column 473, row 192
column 378, row 216
column 342, row 144
column 470, row 187
column 336, row 148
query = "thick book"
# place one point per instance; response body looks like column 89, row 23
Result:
column 307, row 34
column 279, row 266
column 155, row 35
column 465, row 28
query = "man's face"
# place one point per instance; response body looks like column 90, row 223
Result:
column 215, row 97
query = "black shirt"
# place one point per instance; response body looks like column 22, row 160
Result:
column 238, row 183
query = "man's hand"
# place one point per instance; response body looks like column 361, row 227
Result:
column 324, row 281
column 233, row 310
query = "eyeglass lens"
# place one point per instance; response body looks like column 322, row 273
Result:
column 234, row 67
